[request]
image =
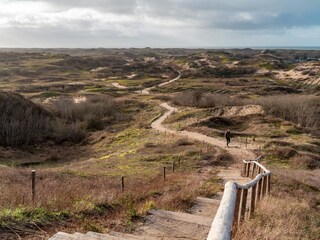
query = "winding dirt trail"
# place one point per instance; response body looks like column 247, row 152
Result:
column 237, row 152
column 147, row 90
column 119, row 86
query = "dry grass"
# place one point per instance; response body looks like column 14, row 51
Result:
column 290, row 212
column 300, row 109
column 282, row 218
column 205, row 100
column 62, row 196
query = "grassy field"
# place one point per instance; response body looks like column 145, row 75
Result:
column 85, row 147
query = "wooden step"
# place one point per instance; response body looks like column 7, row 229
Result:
column 102, row 236
column 132, row 236
column 62, row 236
column 79, row 236
column 169, row 229
column 206, row 207
column 184, row 217
column 207, row 200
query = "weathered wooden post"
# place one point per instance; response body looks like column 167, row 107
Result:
column 259, row 170
column 253, row 200
column 264, row 186
column 122, row 183
column 243, row 204
column 248, row 169
column 259, row 190
column 173, row 166
column 236, row 210
column 244, row 169
column 164, row 172
column 253, row 170
column 246, row 142
column 269, row 183
column 33, row 184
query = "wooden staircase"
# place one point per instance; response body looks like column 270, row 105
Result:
column 161, row 224
column 168, row 225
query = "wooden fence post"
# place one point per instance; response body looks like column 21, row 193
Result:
column 122, row 183
column 248, row 170
column 246, row 142
column 243, row 204
column 236, row 210
column 253, row 200
column 259, row 190
column 269, row 183
column 173, row 166
column 33, row 184
column 164, row 172
column 244, row 169
column 264, row 186
column 253, row 170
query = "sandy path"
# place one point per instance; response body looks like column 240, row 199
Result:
column 237, row 152
column 117, row 85
column 147, row 90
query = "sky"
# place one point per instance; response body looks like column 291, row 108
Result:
column 159, row 23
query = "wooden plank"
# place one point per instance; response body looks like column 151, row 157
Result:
column 259, row 190
column 244, row 169
column 243, row 204
column 248, row 169
column 236, row 211
column 253, row 170
column 253, row 200
column 269, row 183
column 264, row 187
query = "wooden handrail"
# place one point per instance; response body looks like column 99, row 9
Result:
column 233, row 207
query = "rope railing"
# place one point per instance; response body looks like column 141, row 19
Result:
column 240, row 200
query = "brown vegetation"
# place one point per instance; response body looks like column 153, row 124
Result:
column 291, row 212
column 21, row 121
column 302, row 110
column 25, row 123
column 205, row 100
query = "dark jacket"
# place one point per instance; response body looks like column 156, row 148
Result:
column 228, row 134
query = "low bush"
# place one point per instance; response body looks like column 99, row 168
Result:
column 98, row 106
column 205, row 100
column 306, row 161
column 21, row 121
column 300, row 109
column 284, row 152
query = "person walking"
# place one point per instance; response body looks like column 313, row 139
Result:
column 228, row 136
